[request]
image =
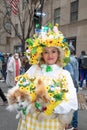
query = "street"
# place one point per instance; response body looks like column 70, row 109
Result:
column 7, row 119
column 9, row 122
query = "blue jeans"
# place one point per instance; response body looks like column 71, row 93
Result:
column 74, row 122
column 75, row 119
column 83, row 75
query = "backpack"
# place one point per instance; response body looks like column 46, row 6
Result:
column 83, row 62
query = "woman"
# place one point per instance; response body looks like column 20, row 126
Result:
column 13, row 69
column 46, row 55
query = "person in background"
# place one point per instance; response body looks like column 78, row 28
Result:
column 0, row 69
column 73, row 68
column 13, row 70
column 25, row 63
column 4, row 66
column 83, row 68
column 9, row 57
column 3, row 97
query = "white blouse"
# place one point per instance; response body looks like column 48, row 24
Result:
column 63, row 107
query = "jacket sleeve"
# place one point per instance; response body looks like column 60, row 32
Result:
column 72, row 103
column 10, row 66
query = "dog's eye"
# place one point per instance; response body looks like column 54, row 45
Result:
column 22, row 100
column 17, row 102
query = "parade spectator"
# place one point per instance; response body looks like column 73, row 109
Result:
column 1, row 59
column 83, row 68
column 4, row 66
column 3, row 97
column 13, row 69
column 25, row 64
column 73, row 68
column 0, row 69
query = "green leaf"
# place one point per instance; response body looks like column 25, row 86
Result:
column 50, row 26
column 58, row 96
column 66, row 60
column 50, row 91
column 34, row 50
column 55, row 83
column 32, row 88
column 30, row 41
column 37, row 25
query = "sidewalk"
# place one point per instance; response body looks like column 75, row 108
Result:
column 7, row 119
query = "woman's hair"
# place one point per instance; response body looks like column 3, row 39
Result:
column 59, row 60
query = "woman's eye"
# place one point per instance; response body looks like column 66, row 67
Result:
column 45, row 52
column 53, row 51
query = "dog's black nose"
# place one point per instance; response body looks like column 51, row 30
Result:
column 21, row 105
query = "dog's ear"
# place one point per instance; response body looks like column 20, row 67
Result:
column 25, row 95
column 11, row 98
column 40, row 90
column 12, row 95
column 40, row 82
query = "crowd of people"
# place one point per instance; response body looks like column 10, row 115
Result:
column 11, row 65
column 47, row 62
column 8, row 70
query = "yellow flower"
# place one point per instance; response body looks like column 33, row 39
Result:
column 33, row 96
column 47, row 87
column 16, row 78
column 57, row 91
column 30, row 48
column 36, row 42
column 39, row 50
column 52, row 101
column 50, row 94
column 22, row 88
column 66, row 52
column 33, row 61
column 32, row 85
column 20, row 82
column 27, row 88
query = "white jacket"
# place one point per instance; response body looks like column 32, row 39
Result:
column 63, row 107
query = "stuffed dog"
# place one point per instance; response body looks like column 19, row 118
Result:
column 19, row 101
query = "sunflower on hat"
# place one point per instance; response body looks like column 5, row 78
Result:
column 49, row 36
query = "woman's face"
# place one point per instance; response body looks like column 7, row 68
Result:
column 50, row 55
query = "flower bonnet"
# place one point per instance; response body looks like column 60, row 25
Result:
column 47, row 36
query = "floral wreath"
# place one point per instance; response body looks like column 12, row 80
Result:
column 47, row 36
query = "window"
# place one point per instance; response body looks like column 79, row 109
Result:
column 57, row 15
column 16, row 29
column 72, row 41
column 18, row 48
column 74, row 11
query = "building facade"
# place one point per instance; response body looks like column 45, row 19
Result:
column 72, row 18
column 17, row 19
